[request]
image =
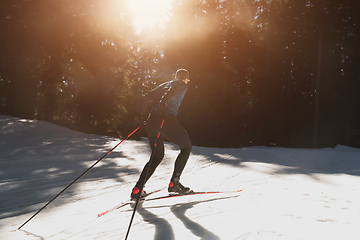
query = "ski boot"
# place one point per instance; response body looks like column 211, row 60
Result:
column 135, row 193
column 175, row 187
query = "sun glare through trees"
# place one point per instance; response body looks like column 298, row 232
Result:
column 262, row 72
column 148, row 13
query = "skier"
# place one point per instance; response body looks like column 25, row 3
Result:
column 165, row 101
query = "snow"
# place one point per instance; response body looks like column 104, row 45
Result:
column 287, row 193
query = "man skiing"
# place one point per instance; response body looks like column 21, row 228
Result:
column 165, row 101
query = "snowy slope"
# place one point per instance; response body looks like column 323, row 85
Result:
column 287, row 193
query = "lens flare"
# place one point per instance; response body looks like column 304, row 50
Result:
column 162, row 56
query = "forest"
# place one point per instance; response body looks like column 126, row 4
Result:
column 263, row 72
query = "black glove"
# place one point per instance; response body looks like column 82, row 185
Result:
column 163, row 111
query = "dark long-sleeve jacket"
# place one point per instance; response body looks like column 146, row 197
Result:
column 170, row 93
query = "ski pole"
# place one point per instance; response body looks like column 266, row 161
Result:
column 142, row 184
column 81, row 175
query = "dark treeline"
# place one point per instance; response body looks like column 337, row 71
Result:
column 263, row 72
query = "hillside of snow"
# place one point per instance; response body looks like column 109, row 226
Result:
column 287, row 193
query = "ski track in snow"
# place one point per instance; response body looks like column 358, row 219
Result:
column 287, row 193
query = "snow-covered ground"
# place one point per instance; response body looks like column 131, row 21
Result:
column 287, row 193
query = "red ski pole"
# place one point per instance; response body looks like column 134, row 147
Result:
column 142, row 185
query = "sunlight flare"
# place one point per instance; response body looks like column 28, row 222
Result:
column 148, row 13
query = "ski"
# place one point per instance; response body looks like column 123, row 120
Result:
column 122, row 204
column 189, row 194
column 163, row 197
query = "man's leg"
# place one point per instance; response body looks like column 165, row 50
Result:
column 153, row 128
column 175, row 133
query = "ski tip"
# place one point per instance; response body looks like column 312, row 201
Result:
column 103, row 213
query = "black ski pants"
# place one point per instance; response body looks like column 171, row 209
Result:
column 173, row 131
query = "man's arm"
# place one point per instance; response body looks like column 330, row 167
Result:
column 179, row 88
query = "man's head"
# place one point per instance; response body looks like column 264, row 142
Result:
column 182, row 74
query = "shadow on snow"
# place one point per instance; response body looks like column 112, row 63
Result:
column 339, row 160
column 164, row 230
column 38, row 158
